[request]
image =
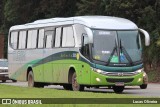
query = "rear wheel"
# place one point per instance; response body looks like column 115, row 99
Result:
column 3, row 80
column 75, row 85
column 143, row 86
column 118, row 89
column 67, row 87
column 31, row 82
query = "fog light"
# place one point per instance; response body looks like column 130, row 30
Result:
column 140, row 79
column 97, row 79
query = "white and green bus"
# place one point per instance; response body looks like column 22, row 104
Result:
column 78, row 52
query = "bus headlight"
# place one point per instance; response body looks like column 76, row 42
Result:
column 139, row 71
column 98, row 70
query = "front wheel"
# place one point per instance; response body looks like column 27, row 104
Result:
column 118, row 89
column 75, row 85
column 143, row 86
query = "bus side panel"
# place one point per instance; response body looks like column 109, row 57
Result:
column 59, row 72
column 61, row 68
column 48, row 71
column 38, row 73
column 16, row 65
column 85, row 74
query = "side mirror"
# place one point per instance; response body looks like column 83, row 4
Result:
column 147, row 37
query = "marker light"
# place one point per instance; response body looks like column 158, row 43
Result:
column 140, row 79
column 97, row 79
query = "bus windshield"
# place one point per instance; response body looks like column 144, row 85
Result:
column 116, row 46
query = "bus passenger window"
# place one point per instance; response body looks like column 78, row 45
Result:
column 68, row 37
column 41, row 38
column 22, row 40
column 13, row 40
column 58, row 37
column 49, row 39
column 32, row 39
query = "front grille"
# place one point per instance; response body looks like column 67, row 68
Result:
column 125, row 80
column 122, row 73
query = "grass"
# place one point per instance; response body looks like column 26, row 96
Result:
column 25, row 92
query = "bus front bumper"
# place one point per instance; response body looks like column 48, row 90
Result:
column 4, row 76
column 103, row 80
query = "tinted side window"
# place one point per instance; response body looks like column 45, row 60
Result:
column 58, row 37
column 49, row 38
column 41, row 38
column 68, row 37
column 22, row 40
column 13, row 39
column 32, row 39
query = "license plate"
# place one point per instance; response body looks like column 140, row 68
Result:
column 119, row 84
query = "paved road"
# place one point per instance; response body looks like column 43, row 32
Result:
column 153, row 90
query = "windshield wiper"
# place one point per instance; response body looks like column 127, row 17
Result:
column 125, row 53
column 113, row 51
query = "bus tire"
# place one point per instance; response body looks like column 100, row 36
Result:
column 31, row 82
column 118, row 89
column 143, row 86
column 30, row 77
column 75, row 85
column 67, row 87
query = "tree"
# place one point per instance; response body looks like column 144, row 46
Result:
column 145, row 13
column 91, row 7
column 1, row 15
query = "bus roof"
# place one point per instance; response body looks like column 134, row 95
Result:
column 96, row 22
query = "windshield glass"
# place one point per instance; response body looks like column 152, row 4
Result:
column 104, row 44
column 130, row 41
column 116, row 46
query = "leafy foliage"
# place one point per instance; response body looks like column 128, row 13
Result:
column 145, row 13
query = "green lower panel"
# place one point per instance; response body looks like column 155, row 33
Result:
column 38, row 73
column 57, row 72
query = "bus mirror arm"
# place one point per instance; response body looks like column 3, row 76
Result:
column 147, row 37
